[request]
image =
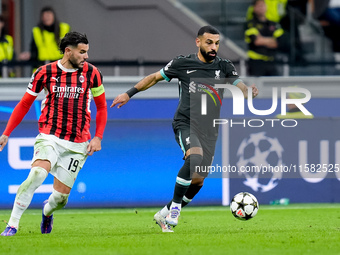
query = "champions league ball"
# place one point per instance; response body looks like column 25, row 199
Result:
column 244, row 206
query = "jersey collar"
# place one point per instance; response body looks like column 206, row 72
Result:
column 65, row 69
column 204, row 63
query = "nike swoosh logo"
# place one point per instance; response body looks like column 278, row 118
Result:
column 191, row 71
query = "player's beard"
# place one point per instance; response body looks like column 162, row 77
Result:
column 74, row 64
column 206, row 55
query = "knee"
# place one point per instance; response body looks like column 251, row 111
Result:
column 35, row 178
column 197, row 181
column 38, row 173
column 195, row 159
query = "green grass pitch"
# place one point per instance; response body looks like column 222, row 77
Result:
column 293, row 229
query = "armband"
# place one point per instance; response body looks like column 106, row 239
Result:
column 132, row 91
column 98, row 91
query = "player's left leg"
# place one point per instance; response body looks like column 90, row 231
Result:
column 197, row 177
column 57, row 200
column 183, row 182
column 194, row 188
column 71, row 159
column 193, row 152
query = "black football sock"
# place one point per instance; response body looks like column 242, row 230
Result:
column 190, row 194
column 183, row 179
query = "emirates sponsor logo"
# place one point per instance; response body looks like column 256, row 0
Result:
column 67, row 92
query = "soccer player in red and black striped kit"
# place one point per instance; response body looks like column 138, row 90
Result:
column 64, row 139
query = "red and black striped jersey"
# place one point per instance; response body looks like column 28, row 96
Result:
column 65, row 111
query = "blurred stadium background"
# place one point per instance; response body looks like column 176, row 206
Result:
column 140, row 158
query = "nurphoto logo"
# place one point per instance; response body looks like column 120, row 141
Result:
column 238, row 106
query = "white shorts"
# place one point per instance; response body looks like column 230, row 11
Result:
column 66, row 158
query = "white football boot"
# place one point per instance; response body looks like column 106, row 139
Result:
column 172, row 218
column 160, row 220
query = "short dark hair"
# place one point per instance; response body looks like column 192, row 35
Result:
column 207, row 29
column 72, row 39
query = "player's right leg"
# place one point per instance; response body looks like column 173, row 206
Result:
column 170, row 213
column 161, row 222
column 199, row 176
column 24, row 195
column 194, row 188
column 193, row 152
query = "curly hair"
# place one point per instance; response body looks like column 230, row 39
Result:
column 72, row 39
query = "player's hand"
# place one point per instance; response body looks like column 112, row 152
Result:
column 120, row 100
column 255, row 91
column 3, row 141
column 94, row 145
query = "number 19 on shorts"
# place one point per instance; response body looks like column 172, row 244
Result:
column 73, row 165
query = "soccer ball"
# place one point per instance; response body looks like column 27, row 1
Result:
column 244, row 206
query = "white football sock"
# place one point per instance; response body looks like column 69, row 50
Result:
column 165, row 211
column 56, row 201
column 25, row 193
column 178, row 205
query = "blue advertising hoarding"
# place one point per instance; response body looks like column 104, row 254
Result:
column 137, row 165
column 140, row 158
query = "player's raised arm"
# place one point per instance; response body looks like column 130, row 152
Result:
column 144, row 84
column 245, row 88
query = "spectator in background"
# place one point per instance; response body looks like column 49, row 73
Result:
column 276, row 10
column 46, row 37
column 262, row 37
column 6, row 48
column 328, row 13
column 284, row 12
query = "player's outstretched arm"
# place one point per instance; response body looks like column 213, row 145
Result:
column 144, row 84
column 121, row 100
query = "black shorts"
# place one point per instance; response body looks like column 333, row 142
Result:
column 187, row 138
